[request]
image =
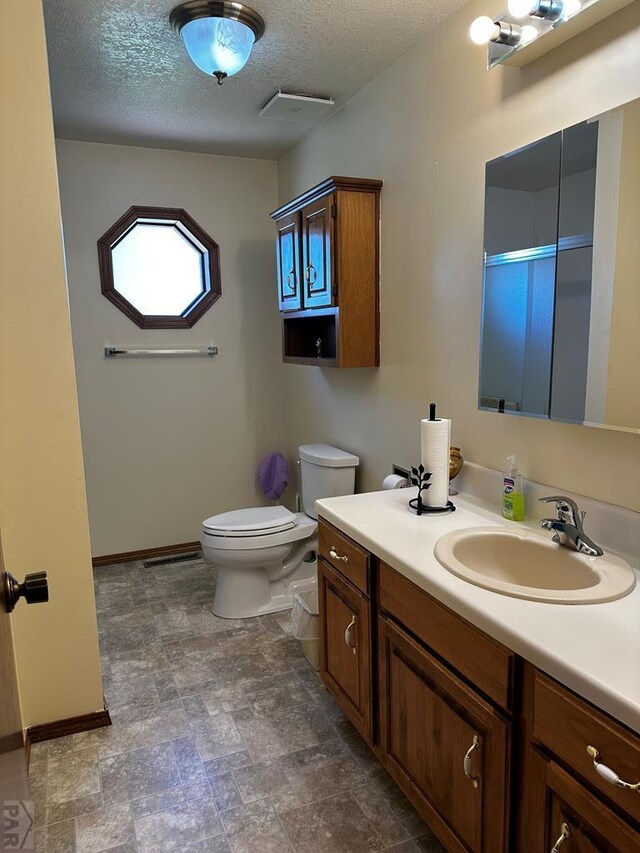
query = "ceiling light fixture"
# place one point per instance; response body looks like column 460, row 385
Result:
column 218, row 34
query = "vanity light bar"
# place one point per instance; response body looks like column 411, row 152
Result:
column 524, row 22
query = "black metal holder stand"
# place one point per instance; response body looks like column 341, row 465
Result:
column 421, row 509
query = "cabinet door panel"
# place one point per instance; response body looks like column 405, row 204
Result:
column 588, row 826
column 345, row 646
column 288, row 262
column 318, row 252
column 429, row 720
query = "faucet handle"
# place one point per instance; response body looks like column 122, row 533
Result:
column 564, row 505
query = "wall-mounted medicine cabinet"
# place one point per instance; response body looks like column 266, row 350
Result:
column 561, row 295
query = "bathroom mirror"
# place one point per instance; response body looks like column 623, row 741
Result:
column 561, row 292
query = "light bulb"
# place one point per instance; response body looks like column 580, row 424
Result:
column 571, row 8
column 521, row 8
column 483, row 30
column 528, row 34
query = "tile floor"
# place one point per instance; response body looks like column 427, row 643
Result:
column 223, row 739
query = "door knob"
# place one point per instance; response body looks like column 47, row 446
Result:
column 34, row 590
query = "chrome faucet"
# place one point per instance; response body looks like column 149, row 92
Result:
column 568, row 526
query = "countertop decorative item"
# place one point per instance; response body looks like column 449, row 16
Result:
column 455, row 462
column 420, row 478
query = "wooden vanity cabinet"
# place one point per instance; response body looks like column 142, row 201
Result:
column 446, row 747
column 346, row 665
column 491, row 751
column 328, row 274
column 568, row 818
column 564, row 725
column 562, row 791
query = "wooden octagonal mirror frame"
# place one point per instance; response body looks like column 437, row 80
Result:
column 189, row 229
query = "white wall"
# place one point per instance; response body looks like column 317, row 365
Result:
column 169, row 442
column 426, row 126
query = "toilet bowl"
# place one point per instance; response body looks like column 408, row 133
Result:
column 260, row 554
column 264, row 555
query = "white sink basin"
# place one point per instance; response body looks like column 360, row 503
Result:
column 525, row 564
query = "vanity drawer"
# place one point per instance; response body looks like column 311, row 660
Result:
column 566, row 725
column 484, row 662
column 345, row 555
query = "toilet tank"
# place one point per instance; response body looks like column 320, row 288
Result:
column 325, row 472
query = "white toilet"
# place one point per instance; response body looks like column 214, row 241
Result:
column 266, row 554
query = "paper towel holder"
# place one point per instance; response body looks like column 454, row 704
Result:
column 420, row 477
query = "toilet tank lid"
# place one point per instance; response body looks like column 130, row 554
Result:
column 327, row 456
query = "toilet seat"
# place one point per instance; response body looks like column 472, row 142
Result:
column 255, row 521
column 299, row 527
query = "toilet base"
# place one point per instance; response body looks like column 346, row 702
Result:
column 243, row 592
column 277, row 603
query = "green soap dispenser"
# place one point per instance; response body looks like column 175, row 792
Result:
column 512, row 493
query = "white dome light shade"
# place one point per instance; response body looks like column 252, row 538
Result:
column 521, row 8
column 483, row 30
column 220, row 45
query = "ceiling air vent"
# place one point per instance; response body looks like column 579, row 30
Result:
column 303, row 109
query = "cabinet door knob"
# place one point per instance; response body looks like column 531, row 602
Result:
column 291, row 280
column 467, row 762
column 608, row 774
column 565, row 833
column 349, row 634
column 342, row 558
column 34, row 590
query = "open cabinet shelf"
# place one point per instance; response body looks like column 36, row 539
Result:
column 310, row 337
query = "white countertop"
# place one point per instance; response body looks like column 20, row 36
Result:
column 593, row 649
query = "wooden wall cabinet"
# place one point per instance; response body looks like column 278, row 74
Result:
column 491, row 751
column 328, row 274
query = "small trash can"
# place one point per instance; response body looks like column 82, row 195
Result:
column 306, row 625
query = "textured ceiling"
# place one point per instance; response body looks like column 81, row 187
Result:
column 120, row 74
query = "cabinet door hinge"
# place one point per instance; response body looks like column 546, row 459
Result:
column 334, row 290
column 334, row 211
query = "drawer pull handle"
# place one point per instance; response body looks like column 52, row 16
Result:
column 468, row 762
column 349, row 633
column 291, row 280
column 608, row 774
column 565, row 833
column 342, row 558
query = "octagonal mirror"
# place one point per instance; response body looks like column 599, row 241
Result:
column 159, row 267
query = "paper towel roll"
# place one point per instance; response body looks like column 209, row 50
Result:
column 436, row 438
column 395, row 481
